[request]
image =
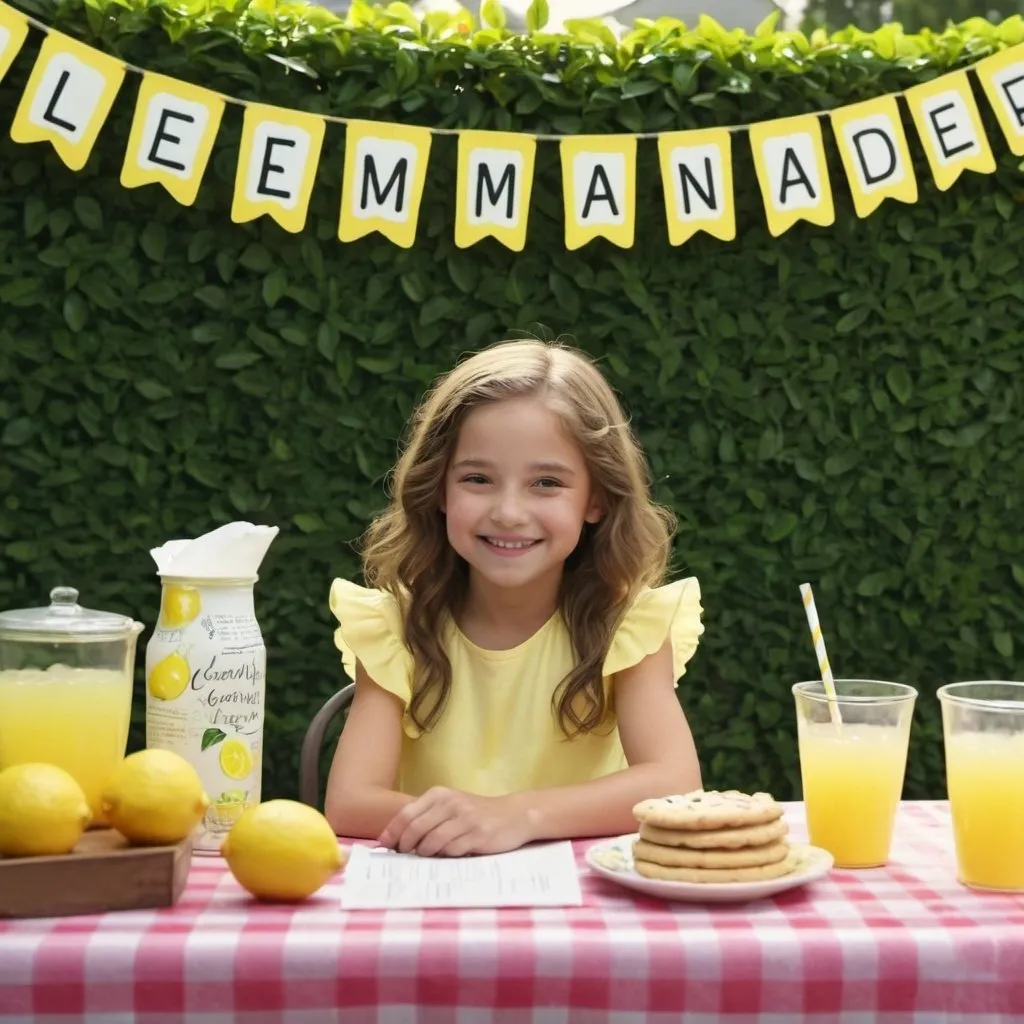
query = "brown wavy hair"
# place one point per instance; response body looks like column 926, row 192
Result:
column 406, row 549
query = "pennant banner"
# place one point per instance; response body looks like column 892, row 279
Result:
column 13, row 33
column 385, row 169
column 874, row 152
column 67, row 99
column 696, row 174
column 277, row 163
column 172, row 136
column 949, row 125
column 72, row 88
column 495, row 178
column 789, row 158
column 1002, row 78
column 599, row 186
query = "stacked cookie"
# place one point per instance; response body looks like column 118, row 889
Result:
column 711, row 836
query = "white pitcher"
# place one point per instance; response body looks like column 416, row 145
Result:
column 206, row 669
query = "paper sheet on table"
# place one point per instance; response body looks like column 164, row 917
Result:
column 535, row 876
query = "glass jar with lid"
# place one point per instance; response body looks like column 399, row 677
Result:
column 66, row 689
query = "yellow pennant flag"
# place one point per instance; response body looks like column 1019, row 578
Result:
column 948, row 122
column 599, row 187
column 172, row 136
column 495, row 179
column 790, row 162
column 277, row 162
column 696, row 174
column 1002, row 78
column 874, row 150
column 382, row 187
column 13, row 31
column 67, row 99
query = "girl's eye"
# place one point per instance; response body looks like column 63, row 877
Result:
column 474, row 478
column 548, row 481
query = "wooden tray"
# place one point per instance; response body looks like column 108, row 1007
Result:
column 102, row 873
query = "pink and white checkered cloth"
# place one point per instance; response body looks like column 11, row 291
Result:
column 900, row 944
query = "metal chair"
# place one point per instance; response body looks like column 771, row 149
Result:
column 313, row 741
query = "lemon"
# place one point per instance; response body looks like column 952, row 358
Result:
column 282, row 850
column 154, row 798
column 169, row 677
column 235, row 759
column 43, row 811
column 180, row 605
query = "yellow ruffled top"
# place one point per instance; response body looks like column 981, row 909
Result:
column 498, row 732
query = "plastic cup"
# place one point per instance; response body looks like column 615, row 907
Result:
column 983, row 733
column 853, row 772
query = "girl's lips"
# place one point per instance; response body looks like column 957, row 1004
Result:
column 520, row 546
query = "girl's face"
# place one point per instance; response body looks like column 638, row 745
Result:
column 517, row 493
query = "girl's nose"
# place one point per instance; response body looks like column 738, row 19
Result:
column 508, row 510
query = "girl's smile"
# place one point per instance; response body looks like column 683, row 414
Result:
column 510, row 547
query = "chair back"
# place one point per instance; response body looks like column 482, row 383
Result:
column 313, row 741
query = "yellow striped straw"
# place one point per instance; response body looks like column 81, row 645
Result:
column 819, row 649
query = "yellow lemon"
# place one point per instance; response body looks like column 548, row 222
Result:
column 235, row 759
column 154, row 798
column 169, row 677
column 179, row 606
column 282, row 850
column 43, row 811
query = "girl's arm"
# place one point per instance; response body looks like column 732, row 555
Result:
column 660, row 753
column 361, row 797
column 659, row 750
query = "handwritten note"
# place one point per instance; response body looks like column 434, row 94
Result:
column 536, row 876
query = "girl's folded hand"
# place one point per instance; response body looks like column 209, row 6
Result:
column 450, row 823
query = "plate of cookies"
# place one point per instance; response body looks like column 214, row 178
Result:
column 709, row 847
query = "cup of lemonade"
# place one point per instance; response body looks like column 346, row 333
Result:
column 852, row 770
column 983, row 735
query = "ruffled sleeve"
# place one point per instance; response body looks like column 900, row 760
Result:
column 671, row 612
column 370, row 632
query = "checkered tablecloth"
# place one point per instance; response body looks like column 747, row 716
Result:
column 900, row 944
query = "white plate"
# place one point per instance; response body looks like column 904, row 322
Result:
column 613, row 859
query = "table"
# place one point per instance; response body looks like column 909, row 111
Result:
column 901, row 944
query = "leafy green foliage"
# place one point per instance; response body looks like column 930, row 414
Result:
column 839, row 405
column 914, row 15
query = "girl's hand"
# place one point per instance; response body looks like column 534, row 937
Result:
column 450, row 823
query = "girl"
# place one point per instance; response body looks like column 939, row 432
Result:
column 515, row 662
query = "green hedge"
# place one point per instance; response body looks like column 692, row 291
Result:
column 840, row 405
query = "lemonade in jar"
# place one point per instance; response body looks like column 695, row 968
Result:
column 66, row 689
column 206, row 668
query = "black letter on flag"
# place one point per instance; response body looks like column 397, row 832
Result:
column 49, row 113
column 800, row 178
column 604, row 196
column 162, row 133
column 370, row 180
column 686, row 176
column 263, row 188
column 483, row 180
column 869, row 178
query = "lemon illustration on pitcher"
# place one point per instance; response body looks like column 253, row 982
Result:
column 235, row 759
column 179, row 607
column 169, row 677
